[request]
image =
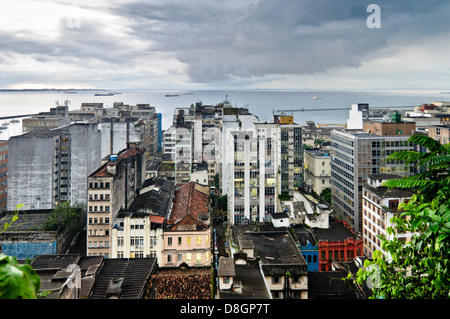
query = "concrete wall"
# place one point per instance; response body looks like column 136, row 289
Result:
column 85, row 158
column 30, row 172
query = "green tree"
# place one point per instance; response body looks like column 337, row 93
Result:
column 326, row 194
column 223, row 202
column 418, row 268
column 433, row 165
column 319, row 142
column 65, row 216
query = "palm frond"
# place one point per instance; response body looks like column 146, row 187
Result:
column 429, row 143
column 419, row 180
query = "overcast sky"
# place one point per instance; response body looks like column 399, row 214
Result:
column 209, row 44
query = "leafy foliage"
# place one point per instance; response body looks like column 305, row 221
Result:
column 326, row 194
column 433, row 165
column 65, row 216
column 17, row 281
column 418, row 268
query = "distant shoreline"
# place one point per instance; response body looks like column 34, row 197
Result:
column 47, row 90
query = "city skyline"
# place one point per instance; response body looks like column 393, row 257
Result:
column 215, row 45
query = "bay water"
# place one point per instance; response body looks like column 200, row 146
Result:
column 262, row 103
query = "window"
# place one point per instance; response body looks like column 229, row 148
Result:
column 179, row 240
column 169, row 241
column 188, row 257
column 189, row 240
column 199, row 240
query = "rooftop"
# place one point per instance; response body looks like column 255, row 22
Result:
column 32, row 220
column 181, row 283
column 385, row 192
column 248, row 283
column 190, row 206
column 126, row 153
column 274, row 248
column 53, row 271
column 318, row 153
column 336, row 232
column 135, row 273
column 156, row 199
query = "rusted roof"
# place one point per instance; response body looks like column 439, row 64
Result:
column 102, row 172
column 190, row 201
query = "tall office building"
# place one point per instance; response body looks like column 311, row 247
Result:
column 357, row 153
column 291, row 154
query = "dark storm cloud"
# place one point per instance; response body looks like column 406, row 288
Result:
column 226, row 39
column 219, row 41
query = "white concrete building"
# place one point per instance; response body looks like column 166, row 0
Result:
column 250, row 169
column 380, row 204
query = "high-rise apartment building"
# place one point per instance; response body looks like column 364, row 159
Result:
column 110, row 188
column 3, row 174
column 291, row 154
column 357, row 153
column 251, row 161
column 259, row 161
column 49, row 167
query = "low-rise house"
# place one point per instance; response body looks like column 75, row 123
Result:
column 308, row 245
column 138, row 231
column 284, row 268
column 338, row 242
column 187, row 231
column 241, row 278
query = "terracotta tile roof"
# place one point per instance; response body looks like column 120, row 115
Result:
column 157, row 219
column 191, row 283
column 190, row 201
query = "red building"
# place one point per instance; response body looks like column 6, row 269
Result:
column 3, row 174
column 338, row 242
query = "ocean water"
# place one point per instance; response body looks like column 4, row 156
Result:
column 262, row 103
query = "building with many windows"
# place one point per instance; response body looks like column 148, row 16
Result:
column 3, row 174
column 317, row 170
column 291, row 160
column 380, row 204
column 440, row 133
column 138, row 230
column 112, row 187
column 251, row 177
column 357, row 153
